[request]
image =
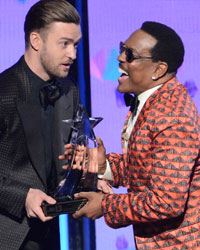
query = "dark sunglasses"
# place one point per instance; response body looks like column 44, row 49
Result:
column 129, row 53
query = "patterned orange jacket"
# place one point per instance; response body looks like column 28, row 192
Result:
column 161, row 171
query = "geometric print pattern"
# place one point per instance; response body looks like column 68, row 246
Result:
column 161, row 171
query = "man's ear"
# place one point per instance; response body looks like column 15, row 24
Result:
column 160, row 70
column 35, row 40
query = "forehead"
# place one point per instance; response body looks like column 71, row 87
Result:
column 141, row 41
column 64, row 30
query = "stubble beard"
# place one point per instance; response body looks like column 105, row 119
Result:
column 49, row 67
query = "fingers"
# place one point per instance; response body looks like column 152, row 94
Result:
column 68, row 147
column 99, row 141
column 82, row 211
column 85, row 195
column 79, row 157
column 92, row 209
column 92, row 160
column 67, row 153
column 61, row 157
column 104, row 187
column 65, row 167
column 49, row 200
column 38, row 213
column 75, row 154
column 34, row 200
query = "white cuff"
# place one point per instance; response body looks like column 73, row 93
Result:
column 107, row 175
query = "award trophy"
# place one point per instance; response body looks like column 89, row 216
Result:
column 81, row 178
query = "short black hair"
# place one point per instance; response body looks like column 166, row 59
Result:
column 45, row 12
column 169, row 48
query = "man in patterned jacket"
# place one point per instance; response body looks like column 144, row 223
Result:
column 160, row 164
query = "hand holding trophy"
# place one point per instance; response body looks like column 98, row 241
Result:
column 82, row 168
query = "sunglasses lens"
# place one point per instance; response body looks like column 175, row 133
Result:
column 121, row 48
column 129, row 55
column 128, row 52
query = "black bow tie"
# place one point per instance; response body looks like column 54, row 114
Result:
column 131, row 101
column 50, row 93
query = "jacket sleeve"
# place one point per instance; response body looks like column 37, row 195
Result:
column 159, row 175
column 118, row 169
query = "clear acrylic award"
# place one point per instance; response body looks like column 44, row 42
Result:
column 83, row 178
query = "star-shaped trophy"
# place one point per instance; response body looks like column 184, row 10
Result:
column 81, row 176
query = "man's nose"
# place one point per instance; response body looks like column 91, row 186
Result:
column 71, row 52
column 122, row 57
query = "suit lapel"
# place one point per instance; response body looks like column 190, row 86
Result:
column 31, row 121
column 124, row 134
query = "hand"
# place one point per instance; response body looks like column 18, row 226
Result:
column 67, row 153
column 104, row 187
column 101, row 156
column 92, row 208
column 77, row 156
column 34, row 200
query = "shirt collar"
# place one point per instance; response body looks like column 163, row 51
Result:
column 145, row 95
column 36, row 81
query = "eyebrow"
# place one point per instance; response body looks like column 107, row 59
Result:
column 69, row 39
column 134, row 50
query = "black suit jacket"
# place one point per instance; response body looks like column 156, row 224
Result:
column 22, row 149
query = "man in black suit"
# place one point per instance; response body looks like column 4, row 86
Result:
column 35, row 96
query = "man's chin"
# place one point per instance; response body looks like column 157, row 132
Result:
column 120, row 89
column 61, row 74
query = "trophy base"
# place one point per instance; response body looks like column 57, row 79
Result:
column 63, row 206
